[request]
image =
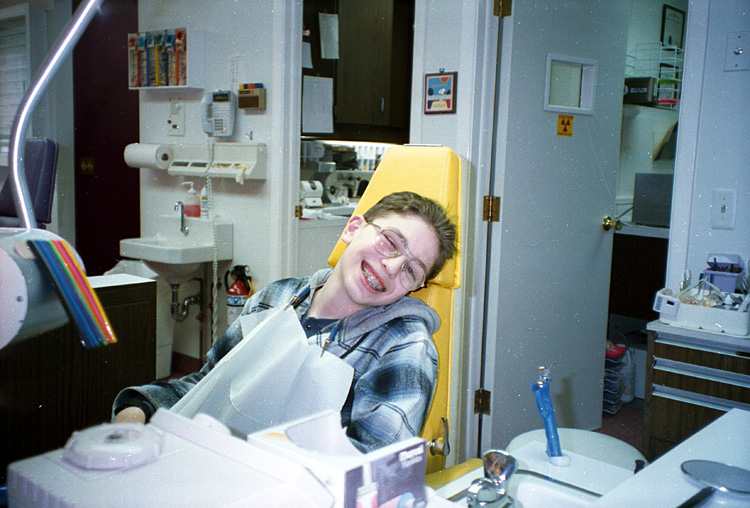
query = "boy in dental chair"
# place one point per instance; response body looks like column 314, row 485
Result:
column 359, row 311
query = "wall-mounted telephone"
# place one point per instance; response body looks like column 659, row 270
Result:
column 218, row 112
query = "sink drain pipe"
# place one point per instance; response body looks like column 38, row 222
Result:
column 180, row 310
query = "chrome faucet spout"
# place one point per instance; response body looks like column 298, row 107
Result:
column 181, row 207
column 491, row 491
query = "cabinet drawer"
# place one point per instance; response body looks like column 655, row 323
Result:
column 729, row 386
column 674, row 419
column 725, row 360
column 693, row 377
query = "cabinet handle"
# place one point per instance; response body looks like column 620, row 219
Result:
column 697, row 399
column 382, row 105
column 701, row 372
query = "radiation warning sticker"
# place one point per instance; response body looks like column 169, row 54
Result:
column 564, row 125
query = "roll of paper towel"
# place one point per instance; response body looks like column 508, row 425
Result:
column 149, row 156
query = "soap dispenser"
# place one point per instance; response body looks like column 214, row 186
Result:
column 192, row 203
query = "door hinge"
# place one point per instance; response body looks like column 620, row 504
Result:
column 491, row 209
column 502, row 8
column 482, row 402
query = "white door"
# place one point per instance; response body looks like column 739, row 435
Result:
column 549, row 257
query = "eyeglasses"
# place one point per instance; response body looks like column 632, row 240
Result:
column 392, row 244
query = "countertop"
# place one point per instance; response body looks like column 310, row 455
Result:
column 662, row 482
column 702, row 337
column 638, row 230
column 120, row 279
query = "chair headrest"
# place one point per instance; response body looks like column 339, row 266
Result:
column 40, row 167
column 433, row 172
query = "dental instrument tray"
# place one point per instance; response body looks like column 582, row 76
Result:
column 704, row 306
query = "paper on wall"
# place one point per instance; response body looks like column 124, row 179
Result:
column 307, row 56
column 272, row 376
column 317, row 104
column 329, row 35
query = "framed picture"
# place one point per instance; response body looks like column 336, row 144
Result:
column 672, row 26
column 440, row 92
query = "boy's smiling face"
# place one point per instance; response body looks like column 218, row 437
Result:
column 370, row 279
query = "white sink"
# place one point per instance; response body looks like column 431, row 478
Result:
column 538, row 483
column 177, row 256
column 532, row 490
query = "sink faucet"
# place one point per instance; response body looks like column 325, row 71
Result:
column 181, row 206
column 490, row 491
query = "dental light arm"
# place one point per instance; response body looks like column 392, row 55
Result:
column 63, row 46
column 28, row 300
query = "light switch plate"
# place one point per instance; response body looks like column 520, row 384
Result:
column 723, row 208
column 738, row 52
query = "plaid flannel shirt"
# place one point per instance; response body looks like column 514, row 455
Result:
column 389, row 347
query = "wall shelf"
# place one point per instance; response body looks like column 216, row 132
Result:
column 664, row 64
column 230, row 160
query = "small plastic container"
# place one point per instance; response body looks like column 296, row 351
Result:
column 628, row 376
column 725, row 271
column 725, row 281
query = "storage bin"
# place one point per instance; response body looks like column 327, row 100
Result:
column 726, row 281
column 725, row 271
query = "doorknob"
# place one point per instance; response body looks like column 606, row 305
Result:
column 440, row 446
column 609, row 223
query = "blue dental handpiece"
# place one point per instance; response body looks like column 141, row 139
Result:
column 547, row 412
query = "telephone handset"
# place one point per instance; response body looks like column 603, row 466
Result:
column 218, row 112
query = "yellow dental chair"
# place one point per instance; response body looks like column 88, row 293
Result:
column 433, row 172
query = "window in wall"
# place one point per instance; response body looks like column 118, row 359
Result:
column 18, row 60
column 569, row 86
column 14, row 69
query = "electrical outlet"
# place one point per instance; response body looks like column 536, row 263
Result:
column 176, row 120
column 723, row 208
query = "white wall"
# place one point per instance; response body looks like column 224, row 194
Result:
column 712, row 146
column 246, row 42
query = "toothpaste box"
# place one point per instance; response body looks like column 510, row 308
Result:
column 389, row 477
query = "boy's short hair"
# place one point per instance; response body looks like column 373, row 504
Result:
column 432, row 212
